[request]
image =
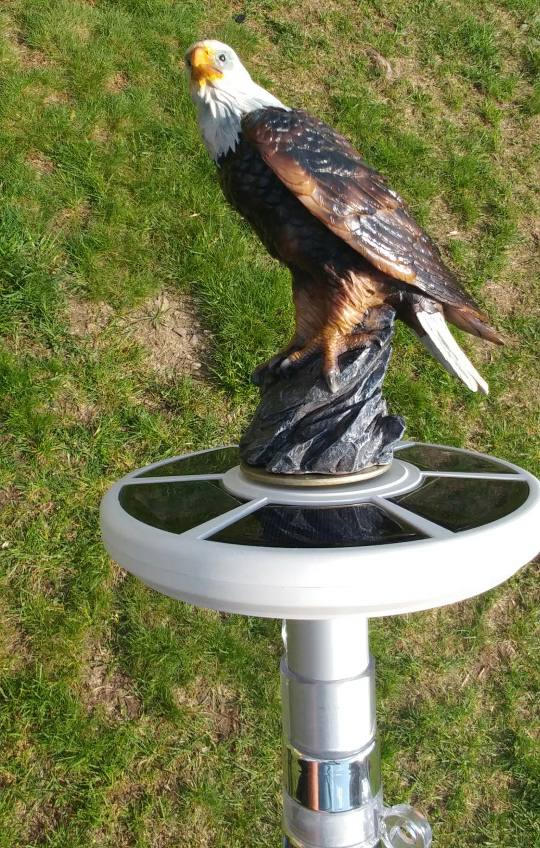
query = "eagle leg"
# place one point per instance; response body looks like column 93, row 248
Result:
column 332, row 343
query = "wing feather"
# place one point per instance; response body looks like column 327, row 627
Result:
column 352, row 199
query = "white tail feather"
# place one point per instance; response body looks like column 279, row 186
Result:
column 443, row 346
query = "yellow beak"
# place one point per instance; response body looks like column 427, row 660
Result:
column 202, row 69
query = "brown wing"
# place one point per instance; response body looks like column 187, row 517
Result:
column 334, row 183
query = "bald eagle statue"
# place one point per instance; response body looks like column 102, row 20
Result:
column 350, row 243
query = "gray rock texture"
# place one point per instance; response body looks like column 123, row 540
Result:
column 301, row 427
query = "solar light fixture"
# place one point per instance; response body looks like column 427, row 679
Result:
column 439, row 525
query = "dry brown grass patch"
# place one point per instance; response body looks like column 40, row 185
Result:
column 523, row 394
column 516, row 292
column 25, row 344
column 504, row 298
column 56, row 98
column 72, row 410
column 409, row 72
column 117, row 82
column 82, row 31
column 41, row 821
column 526, row 710
column 171, row 42
column 39, row 162
column 197, row 831
column 481, row 665
column 215, row 703
column 108, row 690
column 500, row 615
column 100, row 135
column 28, row 57
column 494, row 659
column 313, row 13
column 14, row 650
column 492, row 794
column 8, row 497
column 282, row 77
column 70, row 219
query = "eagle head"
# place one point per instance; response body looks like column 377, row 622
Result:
column 223, row 92
column 214, row 67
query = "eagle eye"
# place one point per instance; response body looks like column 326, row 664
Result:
column 222, row 57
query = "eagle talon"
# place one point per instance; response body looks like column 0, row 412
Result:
column 287, row 368
column 333, row 380
column 270, row 367
column 257, row 376
column 274, row 365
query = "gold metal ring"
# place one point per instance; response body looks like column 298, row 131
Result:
column 261, row 475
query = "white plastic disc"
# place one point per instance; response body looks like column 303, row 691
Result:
column 442, row 524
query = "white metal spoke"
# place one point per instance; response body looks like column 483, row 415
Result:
column 474, row 475
column 186, row 478
column 202, row 531
column 424, row 525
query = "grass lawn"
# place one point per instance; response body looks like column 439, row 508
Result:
column 127, row 719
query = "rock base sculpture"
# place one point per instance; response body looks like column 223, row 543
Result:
column 301, row 427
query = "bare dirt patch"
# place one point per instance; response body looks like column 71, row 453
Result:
column 216, row 703
column 126, row 793
column 87, row 318
column 166, row 326
column 39, row 162
column 109, row 690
